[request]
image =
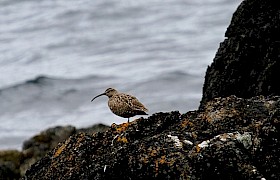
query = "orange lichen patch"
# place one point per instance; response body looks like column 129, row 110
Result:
column 59, row 150
column 121, row 128
column 122, row 139
column 63, row 146
column 194, row 135
column 162, row 160
column 70, row 158
column 153, row 152
column 144, row 158
column 186, row 122
column 197, row 148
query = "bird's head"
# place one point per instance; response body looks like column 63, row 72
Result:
column 108, row 92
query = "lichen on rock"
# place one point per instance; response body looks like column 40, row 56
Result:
column 234, row 146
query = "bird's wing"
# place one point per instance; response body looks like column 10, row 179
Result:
column 135, row 104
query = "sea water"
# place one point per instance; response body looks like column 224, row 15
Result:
column 55, row 56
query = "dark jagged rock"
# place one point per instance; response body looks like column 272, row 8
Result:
column 13, row 164
column 247, row 62
column 233, row 138
column 37, row 147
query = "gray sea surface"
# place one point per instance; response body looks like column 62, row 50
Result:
column 56, row 55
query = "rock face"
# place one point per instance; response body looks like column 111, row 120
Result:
column 13, row 164
column 37, row 147
column 233, row 138
column 247, row 62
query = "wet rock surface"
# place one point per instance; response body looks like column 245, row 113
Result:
column 233, row 138
column 247, row 62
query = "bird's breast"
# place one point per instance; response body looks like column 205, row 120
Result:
column 119, row 107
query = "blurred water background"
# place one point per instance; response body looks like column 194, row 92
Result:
column 56, row 55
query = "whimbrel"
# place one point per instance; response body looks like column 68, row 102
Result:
column 123, row 105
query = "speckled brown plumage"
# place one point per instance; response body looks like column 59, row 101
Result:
column 123, row 105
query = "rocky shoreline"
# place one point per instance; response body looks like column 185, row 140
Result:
column 14, row 163
column 234, row 134
column 233, row 138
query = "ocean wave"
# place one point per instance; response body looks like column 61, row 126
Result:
column 45, row 93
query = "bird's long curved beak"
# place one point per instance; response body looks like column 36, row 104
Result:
column 97, row 96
